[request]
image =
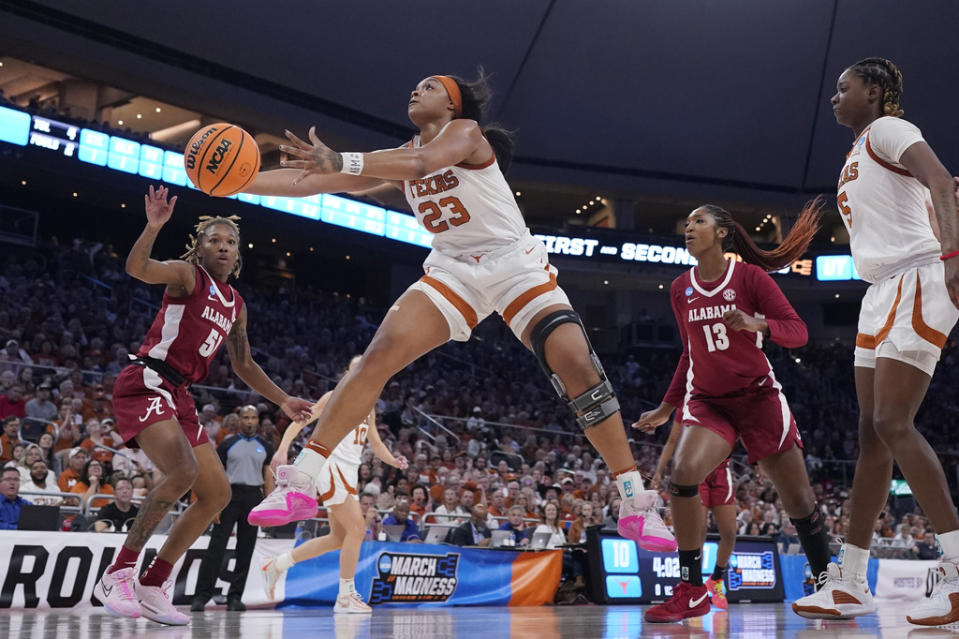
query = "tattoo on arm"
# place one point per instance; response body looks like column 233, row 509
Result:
column 152, row 511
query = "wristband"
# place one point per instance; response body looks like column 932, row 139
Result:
column 948, row 255
column 352, row 163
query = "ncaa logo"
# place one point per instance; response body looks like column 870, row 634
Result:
column 689, row 291
column 729, row 295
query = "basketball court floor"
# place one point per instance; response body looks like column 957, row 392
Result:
column 751, row 621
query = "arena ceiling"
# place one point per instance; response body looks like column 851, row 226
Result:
column 665, row 103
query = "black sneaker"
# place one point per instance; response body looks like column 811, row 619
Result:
column 235, row 604
column 198, row 604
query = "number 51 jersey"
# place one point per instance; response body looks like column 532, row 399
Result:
column 718, row 361
column 188, row 331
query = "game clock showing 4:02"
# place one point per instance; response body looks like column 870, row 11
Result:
column 626, row 574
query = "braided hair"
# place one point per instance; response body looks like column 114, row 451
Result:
column 192, row 254
column 476, row 96
column 886, row 75
column 793, row 246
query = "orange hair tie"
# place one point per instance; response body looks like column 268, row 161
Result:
column 453, row 90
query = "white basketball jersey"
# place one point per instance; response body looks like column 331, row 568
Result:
column 883, row 205
column 468, row 207
column 350, row 448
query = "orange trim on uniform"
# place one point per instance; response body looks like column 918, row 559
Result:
column 924, row 331
column 883, row 163
column 332, row 489
column 528, row 296
column 346, row 484
column 623, row 472
column 477, row 167
column 453, row 90
column 535, row 577
column 872, row 341
column 318, row 448
column 461, row 305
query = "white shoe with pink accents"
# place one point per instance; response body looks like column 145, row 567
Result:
column 640, row 521
column 293, row 499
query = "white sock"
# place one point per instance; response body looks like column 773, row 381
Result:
column 854, row 561
column 347, row 587
column 285, row 561
column 629, row 484
column 310, row 462
column 949, row 542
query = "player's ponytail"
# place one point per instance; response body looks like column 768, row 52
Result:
column 476, row 95
column 792, row 247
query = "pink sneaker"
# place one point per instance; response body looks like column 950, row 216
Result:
column 156, row 605
column 115, row 592
column 640, row 521
column 293, row 499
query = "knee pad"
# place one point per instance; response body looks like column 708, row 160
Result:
column 683, row 490
column 597, row 403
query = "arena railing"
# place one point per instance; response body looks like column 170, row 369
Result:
column 65, row 504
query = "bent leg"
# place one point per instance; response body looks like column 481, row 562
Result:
column 347, row 520
column 698, row 453
column 725, row 517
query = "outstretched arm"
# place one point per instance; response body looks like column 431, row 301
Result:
column 281, row 456
column 250, row 372
column 380, row 449
column 178, row 275
column 279, row 182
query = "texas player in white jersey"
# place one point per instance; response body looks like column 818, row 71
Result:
column 483, row 260
column 337, row 487
column 907, row 314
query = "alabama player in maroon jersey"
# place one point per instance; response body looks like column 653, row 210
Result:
column 155, row 410
column 725, row 310
column 716, row 494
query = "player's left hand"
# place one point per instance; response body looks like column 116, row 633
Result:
column 402, row 462
column 313, row 158
column 297, row 409
column 739, row 321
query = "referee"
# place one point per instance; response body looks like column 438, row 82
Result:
column 246, row 457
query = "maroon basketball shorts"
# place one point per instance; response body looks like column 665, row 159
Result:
column 141, row 397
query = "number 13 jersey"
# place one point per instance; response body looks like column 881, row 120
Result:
column 467, row 207
column 188, row 331
column 718, row 361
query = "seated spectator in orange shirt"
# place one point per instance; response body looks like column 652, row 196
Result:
column 92, row 483
column 71, row 475
column 230, row 426
column 68, row 423
column 419, row 473
column 577, row 531
column 497, row 505
column 9, row 438
column 99, row 406
column 420, row 502
column 97, row 435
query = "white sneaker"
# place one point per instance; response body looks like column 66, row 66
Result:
column 293, row 499
column 156, row 605
column 271, row 575
column 640, row 521
column 351, row 604
column 115, row 591
column 836, row 597
column 942, row 606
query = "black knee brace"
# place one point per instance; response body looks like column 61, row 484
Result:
column 597, row 403
column 683, row 490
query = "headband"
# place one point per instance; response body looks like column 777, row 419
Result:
column 453, row 90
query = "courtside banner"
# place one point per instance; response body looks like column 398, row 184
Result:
column 59, row 569
column 906, row 579
column 430, row 575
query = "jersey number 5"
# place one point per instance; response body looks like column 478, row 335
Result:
column 842, row 200
column 212, row 342
column 433, row 212
column 721, row 342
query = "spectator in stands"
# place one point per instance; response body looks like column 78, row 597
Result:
column 92, row 482
column 30, row 455
column 40, row 407
column 14, row 354
column 41, row 480
column 370, row 516
column 46, row 448
column 465, row 506
column 586, row 519
column 99, row 406
column 10, row 500
column 76, row 461
column 516, row 525
column 497, row 505
column 550, row 523
column 122, row 510
column 401, row 517
column 12, row 403
column 97, row 437
column 68, row 426
column 450, row 507
column 927, row 548
column 474, row 532
column 787, row 537
column 10, row 438
column 420, row 501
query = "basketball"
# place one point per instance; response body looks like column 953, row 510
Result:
column 221, row 159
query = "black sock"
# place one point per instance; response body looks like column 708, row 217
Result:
column 814, row 540
column 691, row 566
column 718, row 573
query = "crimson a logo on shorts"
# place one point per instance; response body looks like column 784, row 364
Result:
column 729, row 295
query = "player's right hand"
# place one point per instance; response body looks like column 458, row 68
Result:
column 157, row 207
column 649, row 421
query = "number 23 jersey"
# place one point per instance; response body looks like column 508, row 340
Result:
column 718, row 361
column 188, row 331
column 467, row 207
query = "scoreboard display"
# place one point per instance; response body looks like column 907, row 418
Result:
column 624, row 573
